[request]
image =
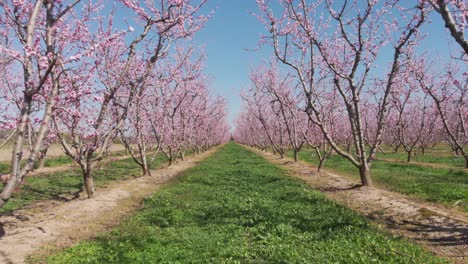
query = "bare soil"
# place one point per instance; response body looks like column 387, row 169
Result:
column 442, row 231
column 49, row 226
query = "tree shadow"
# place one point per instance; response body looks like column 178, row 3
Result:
column 2, row 230
column 435, row 233
column 338, row 189
column 56, row 196
column 21, row 218
column 456, row 234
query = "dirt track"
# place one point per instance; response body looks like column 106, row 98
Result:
column 63, row 224
column 442, row 231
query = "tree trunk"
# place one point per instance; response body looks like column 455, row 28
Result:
column 89, row 181
column 408, row 159
column 466, row 162
column 364, row 173
column 146, row 171
column 42, row 158
column 8, row 190
column 42, row 162
column 146, row 166
column 423, row 150
column 321, row 164
column 382, row 150
column 296, row 157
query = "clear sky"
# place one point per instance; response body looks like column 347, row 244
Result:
column 227, row 38
column 233, row 31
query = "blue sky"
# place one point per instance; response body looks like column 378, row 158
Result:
column 226, row 38
column 233, row 29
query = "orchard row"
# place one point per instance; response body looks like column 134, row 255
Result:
column 89, row 73
column 353, row 76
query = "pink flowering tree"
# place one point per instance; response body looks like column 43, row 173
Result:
column 140, row 134
column 10, row 96
column 285, row 103
column 100, row 98
column 214, row 127
column 39, row 38
column 449, row 93
column 415, row 118
column 259, row 106
column 315, row 140
column 11, row 101
column 208, row 127
column 185, row 100
column 448, row 88
column 146, row 130
column 280, row 98
column 249, row 131
column 341, row 41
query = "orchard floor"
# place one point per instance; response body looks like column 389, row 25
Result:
column 437, row 228
column 52, row 224
column 236, row 206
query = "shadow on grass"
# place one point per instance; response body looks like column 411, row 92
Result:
column 61, row 197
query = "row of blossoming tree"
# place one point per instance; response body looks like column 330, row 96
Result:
column 80, row 74
column 349, row 76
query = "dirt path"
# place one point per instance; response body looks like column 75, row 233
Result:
column 441, row 231
column 53, row 224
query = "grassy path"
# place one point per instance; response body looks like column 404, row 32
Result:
column 50, row 226
column 442, row 231
column 439, row 155
column 235, row 207
column 440, row 185
column 67, row 185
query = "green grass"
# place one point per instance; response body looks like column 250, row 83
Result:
column 57, row 161
column 440, row 154
column 440, row 185
column 52, row 161
column 64, row 185
column 4, row 167
column 235, row 207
